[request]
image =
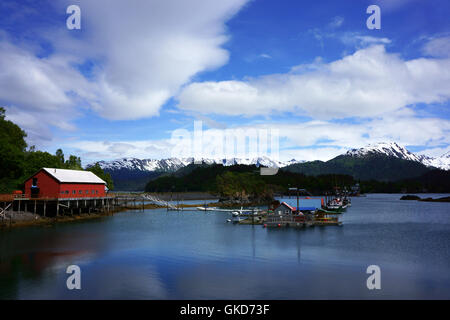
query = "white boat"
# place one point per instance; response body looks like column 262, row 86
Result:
column 207, row 208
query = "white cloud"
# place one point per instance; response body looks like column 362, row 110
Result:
column 143, row 52
column 368, row 83
column 310, row 140
column 438, row 47
column 265, row 56
column 92, row 151
column 39, row 92
column 151, row 48
column 336, row 22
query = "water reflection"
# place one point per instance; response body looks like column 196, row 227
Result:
column 157, row 254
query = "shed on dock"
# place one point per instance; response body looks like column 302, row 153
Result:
column 286, row 209
column 64, row 183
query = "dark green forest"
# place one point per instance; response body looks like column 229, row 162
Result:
column 232, row 180
column 19, row 161
column 371, row 167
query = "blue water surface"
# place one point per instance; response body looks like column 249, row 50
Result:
column 159, row 254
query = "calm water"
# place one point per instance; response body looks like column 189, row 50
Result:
column 196, row 255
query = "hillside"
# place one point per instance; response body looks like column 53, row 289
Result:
column 380, row 161
column 370, row 167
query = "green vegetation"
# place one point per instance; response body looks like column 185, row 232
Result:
column 17, row 163
column 436, row 181
column 12, row 150
column 410, row 197
column 370, row 167
column 238, row 180
column 243, row 185
column 98, row 171
column 234, row 181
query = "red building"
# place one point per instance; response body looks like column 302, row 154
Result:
column 63, row 183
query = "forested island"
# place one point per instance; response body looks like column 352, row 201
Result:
column 234, row 180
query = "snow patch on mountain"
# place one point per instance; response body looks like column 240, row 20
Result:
column 393, row 149
column 173, row 164
column 390, row 149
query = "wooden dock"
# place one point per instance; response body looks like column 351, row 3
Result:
column 50, row 207
column 54, row 207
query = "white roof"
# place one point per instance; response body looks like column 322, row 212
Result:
column 73, row 176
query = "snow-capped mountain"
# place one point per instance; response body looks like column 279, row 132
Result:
column 442, row 162
column 390, row 149
column 393, row 149
column 164, row 165
column 173, row 164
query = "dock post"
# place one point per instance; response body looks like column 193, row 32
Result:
column 34, row 206
column 45, row 208
column 57, row 207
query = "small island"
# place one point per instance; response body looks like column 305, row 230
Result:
column 410, row 197
column 414, row 197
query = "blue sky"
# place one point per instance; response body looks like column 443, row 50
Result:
column 139, row 70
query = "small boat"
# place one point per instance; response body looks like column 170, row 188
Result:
column 206, row 208
column 336, row 204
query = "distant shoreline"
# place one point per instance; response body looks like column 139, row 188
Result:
column 167, row 196
column 417, row 198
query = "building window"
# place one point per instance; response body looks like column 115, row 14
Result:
column 74, row 191
column 62, row 192
column 87, row 191
column 96, row 191
column 67, row 191
column 80, row 191
column 34, row 183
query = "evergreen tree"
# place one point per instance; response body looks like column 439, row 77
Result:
column 12, row 148
column 98, row 171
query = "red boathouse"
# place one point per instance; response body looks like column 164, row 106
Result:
column 64, row 184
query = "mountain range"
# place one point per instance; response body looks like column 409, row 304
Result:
column 380, row 161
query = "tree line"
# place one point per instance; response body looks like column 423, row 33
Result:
column 236, row 180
